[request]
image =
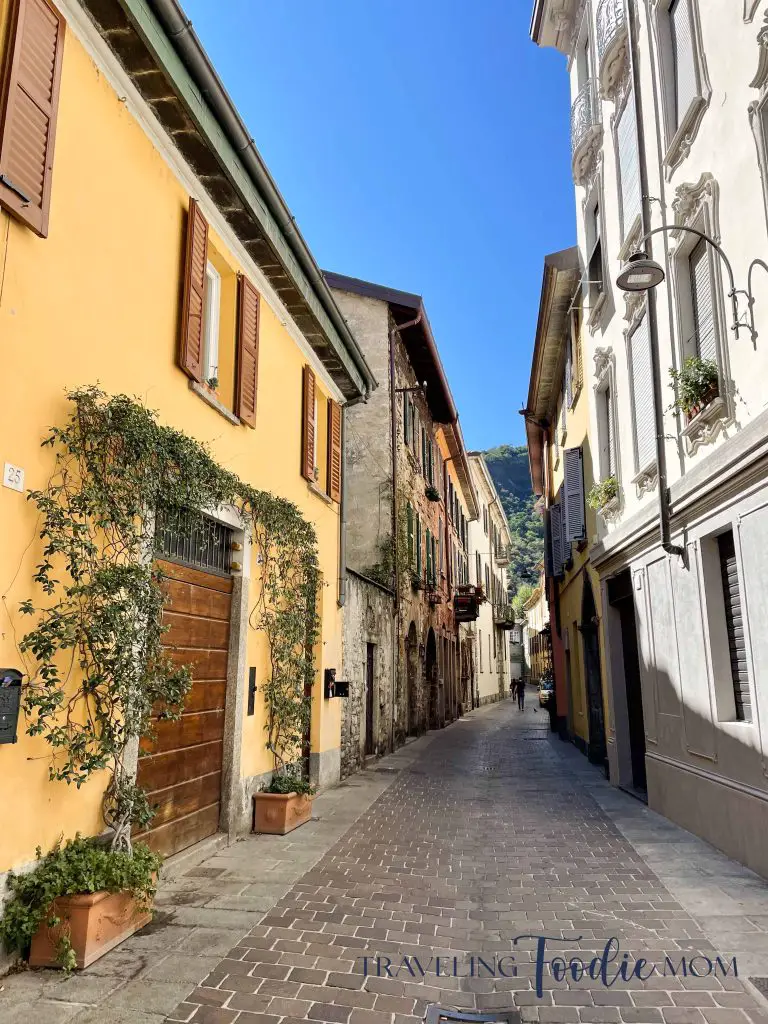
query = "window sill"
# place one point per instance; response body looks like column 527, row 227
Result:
column 319, row 492
column 646, row 479
column 596, row 312
column 705, row 425
column 681, row 142
column 207, row 396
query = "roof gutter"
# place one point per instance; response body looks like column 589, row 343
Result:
column 184, row 38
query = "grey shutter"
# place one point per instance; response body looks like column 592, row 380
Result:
column 734, row 623
column 548, row 564
column 703, row 308
column 683, row 56
column 642, row 394
column 556, row 526
column 610, row 438
column 575, row 525
column 629, row 169
column 563, row 401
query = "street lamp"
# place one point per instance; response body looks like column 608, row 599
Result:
column 642, row 274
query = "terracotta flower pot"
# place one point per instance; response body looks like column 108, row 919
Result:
column 96, row 923
column 278, row 813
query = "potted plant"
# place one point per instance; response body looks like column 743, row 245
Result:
column 431, row 493
column 285, row 804
column 81, row 900
column 696, row 385
column 601, row 494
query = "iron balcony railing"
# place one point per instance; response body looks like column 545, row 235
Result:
column 504, row 616
column 585, row 116
column 611, row 27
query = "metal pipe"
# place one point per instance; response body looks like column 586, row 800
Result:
column 342, row 598
column 180, row 30
column 645, row 217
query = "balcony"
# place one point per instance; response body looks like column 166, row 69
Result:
column 501, row 556
column 504, row 616
column 586, row 131
column 466, row 603
column 611, row 44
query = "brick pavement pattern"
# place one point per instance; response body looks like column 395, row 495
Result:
column 486, row 837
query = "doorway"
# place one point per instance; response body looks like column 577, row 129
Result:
column 369, row 689
column 412, row 666
column 620, row 597
column 597, row 750
column 431, row 671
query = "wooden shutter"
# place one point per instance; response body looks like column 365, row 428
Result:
column 29, row 110
column 684, row 58
column 308, row 426
column 192, row 312
column 703, row 306
column 629, row 168
column 575, row 525
column 418, row 546
column 247, row 352
column 734, row 623
column 642, row 395
column 409, row 523
column 334, row 450
column 556, row 531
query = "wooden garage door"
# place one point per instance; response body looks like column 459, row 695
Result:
column 181, row 768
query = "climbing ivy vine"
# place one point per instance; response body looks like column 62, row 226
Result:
column 98, row 671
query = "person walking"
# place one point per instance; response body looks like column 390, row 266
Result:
column 521, row 695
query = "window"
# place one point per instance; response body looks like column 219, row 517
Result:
column 700, row 271
column 725, row 619
column 418, row 546
column 608, row 458
column 29, row 106
column 480, row 647
column 608, row 445
column 641, row 383
column 429, row 556
column 478, row 569
column 409, row 526
column 485, row 520
column 487, row 583
column 568, row 376
column 683, row 66
column 595, row 271
column 628, row 167
column 686, row 86
column 440, row 546
column 406, row 420
column 211, row 319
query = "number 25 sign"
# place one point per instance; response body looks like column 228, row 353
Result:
column 13, row 477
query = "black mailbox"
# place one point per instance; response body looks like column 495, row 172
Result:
column 329, row 683
column 10, row 699
column 341, row 688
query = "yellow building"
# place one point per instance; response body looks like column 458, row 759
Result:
column 145, row 248
column 557, row 424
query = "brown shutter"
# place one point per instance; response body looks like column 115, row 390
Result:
column 308, row 426
column 192, row 341
column 28, row 113
column 334, row 450
column 247, row 352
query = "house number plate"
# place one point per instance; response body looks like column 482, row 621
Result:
column 13, row 477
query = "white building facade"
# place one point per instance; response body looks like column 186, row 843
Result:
column 489, row 543
column 669, row 132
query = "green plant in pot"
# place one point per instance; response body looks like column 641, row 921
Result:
column 695, row 385
column 602, row 493
column 98, row 670
column 431, row 493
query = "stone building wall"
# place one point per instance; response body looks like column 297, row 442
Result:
column 368, row 619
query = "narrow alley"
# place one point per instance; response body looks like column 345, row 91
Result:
column 465, row 840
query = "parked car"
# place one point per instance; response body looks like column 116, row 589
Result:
column 546, row 690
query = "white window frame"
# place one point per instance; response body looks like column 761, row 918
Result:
column 605, row 373
column 646, row 474
column 629, row 233
column 592, row 224
column 680, row 132
column 697, row 206
column 211, row 322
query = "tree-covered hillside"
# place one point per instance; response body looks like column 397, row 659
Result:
column 508, row 467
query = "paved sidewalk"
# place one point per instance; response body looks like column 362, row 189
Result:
column 487, row 831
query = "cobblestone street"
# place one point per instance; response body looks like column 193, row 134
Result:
column 467, row 839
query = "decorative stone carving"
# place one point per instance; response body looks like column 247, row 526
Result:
column 611, row 510
column 604, row 360
column 705, row 427
column 586, row 133
column 646, row 479
column 693, row 200
column 750, row 6
column 761, row 75
column 612, row 52
column 634, row 305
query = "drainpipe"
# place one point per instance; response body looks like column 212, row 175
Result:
column 342, row 598
column 394, row 332
column 645, row 219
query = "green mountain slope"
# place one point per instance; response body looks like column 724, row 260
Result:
column 508, row 467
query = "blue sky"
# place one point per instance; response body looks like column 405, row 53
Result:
column 421, row 144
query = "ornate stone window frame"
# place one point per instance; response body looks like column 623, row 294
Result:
column 605, row 378
column 758, row 110
column 680, row 140
column 750, row 7
column 696, row 205
column 646, row 476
